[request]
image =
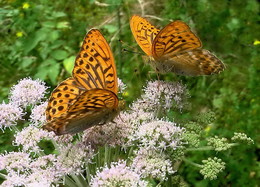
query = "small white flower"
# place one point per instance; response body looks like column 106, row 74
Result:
column 73, row 158
column 118, row 174
column 38, row 116
column 29, row 138
column 28, row 92
column 161, row 94
column 121, row 86
column 150, row 163
column 159, row 135
column 9, row 114
column 18, row 161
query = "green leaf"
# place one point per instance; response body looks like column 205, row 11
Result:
column 58, row 14
column 54, row 35
column 54, row 72
column 27, row 61
column 68, row 63
column 110, row 28
column 63, row 25
column 32, row 41
column 49, row 24
column 59, row 54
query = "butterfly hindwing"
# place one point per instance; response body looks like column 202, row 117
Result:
column 62, row 97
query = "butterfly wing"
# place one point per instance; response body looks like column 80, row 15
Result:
column 174, row 38
column 177, row 49
column 192, row 63
column 144, row 33
column 94, row 65
column 62, row 97
column 92, row 107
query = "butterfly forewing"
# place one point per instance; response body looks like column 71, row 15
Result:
column 62, row 97
column 174, row 38
column 144, row 33
column 94, row 66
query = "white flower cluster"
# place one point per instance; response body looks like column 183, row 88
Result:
column 29, row 138
column 28, row 92
column 159, row 135
column 150, row 163
column 9, row 115
column 38, row 114
column 118, row 174
column 25, row 171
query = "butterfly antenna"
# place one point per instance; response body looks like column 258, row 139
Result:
column 130, row 47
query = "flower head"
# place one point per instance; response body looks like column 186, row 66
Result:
column 9, row 114
column 212, row 167
column 28, row 92
column 159, row 135
column 160, row 94
column 73, row 158
column 38, row 116
column 16, row 161
column 150, row 163
column 118, row 174
column 29, row 137
column 121, row 86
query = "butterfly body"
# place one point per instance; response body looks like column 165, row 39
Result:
column 175, row 48
column 89, row 97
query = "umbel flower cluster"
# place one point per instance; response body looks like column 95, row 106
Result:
column 141, row 147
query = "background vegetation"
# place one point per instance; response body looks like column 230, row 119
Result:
column 40, row 38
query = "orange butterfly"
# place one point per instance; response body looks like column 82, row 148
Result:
column 89, row 97
column 175, row 48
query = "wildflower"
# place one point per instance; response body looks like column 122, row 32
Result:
column 14, row 179
column 27, row 92
column 19, row 34
column 242, row 137
column 121, row 86
column 29, row 137
column 219, row 144
column 161, row 94
column 118, row 174
column 38, row 116
column 73, row 158
column 26, row 5
column 150, row 163
column 211, row 168
column 9, row 114
column 256, row 42
column 159, row 135
column 16, row 161
column 112, row 133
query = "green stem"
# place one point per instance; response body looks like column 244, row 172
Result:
column 192, row 163
column 3, row 176
column 206, row 148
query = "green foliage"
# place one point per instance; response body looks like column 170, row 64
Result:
column 41, row 39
